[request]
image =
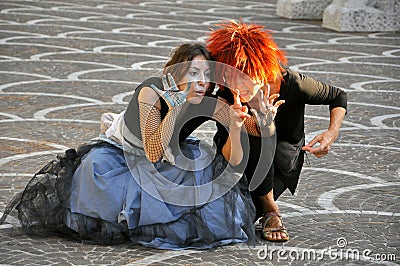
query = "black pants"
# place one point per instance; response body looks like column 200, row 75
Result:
column 272, row 177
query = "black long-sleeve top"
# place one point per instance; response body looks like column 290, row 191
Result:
column 297, row 90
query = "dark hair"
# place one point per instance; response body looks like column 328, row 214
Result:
column 185, row 53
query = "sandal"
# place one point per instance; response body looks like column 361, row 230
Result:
column 268, row 230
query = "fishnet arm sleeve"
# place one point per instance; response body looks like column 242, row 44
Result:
column 156, row 133
column 251, row 126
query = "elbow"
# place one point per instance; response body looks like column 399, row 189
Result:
column 236, row 159
column 235, row 163
column 152, row 159
column 233, row 160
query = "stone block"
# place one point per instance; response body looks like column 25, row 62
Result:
column 362, row 15
column 301, row 9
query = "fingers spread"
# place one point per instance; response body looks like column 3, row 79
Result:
column 273, row 97
column 165, row 82
column 154, row 87
column 266, row 90
column 172, row 82
column 262, row 101
column 279, row 103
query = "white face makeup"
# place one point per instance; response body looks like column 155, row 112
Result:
column 248, row 88
column 199, row 75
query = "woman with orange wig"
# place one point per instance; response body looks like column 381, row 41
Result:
column 267, row 84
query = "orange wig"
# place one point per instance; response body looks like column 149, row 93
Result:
column 249, row 48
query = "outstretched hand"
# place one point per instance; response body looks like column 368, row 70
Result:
column 170, row 92
column 325, row 141
column 326, row 138
column 267, row 110
column 272, row 105
column 266, row 103
column 270, row 100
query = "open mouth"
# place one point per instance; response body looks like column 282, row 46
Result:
column 200, row 92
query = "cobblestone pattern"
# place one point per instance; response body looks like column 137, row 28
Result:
column 63, row 63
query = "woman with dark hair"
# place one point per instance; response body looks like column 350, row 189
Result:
column 145, row 179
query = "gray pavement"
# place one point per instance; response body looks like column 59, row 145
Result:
column 63, row 63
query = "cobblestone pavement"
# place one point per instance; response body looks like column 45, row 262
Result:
column 63, row 63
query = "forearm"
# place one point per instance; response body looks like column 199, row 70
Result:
column 157, row 135
column 261, row 125
column 251, row 125
column 336, row 118
column 233, row 154
column 326, row 138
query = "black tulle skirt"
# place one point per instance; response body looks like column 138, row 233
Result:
column 101, row 194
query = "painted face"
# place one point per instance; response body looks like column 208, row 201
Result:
column 199, row 75
column 248, row 87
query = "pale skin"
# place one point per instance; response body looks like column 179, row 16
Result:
column 239, row 115
column 252, row 92
column 192, row 88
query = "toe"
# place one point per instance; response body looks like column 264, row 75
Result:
column 274, row 236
